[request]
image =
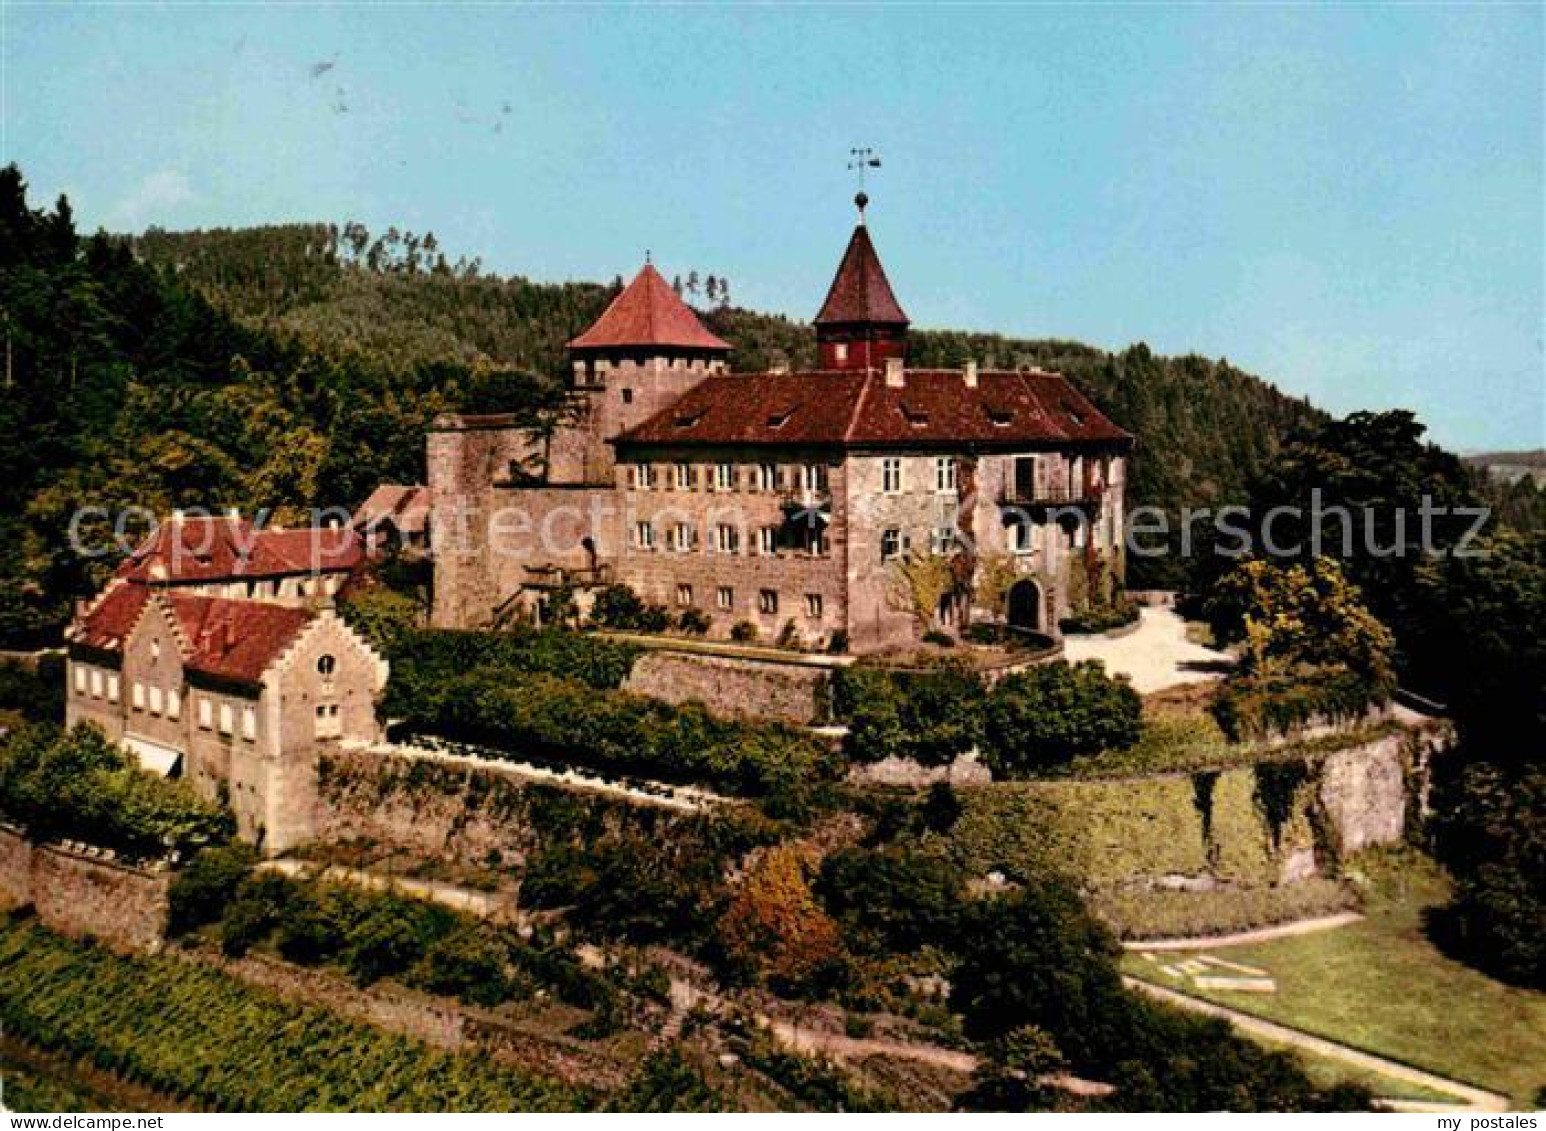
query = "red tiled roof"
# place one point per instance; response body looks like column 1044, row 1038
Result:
column 860, row 291
column 209, row 549
column 648, row 313
column 407, row 508
column 237, row 640
column 856, row 409
column 111, row 618
column 230, row 639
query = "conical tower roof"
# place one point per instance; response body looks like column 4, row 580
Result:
column 861, row 294
column 648, row 313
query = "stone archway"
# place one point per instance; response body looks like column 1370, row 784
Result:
column 1023, row 605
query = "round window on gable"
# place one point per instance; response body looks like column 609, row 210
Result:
column 325, row 665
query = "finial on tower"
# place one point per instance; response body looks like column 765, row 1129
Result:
column 860, row 159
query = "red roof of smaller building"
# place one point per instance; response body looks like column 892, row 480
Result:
column 858, row 409
column 406, row 508
column 648, row 313
column 211, row 549
column 229, row 639
column 860, row 291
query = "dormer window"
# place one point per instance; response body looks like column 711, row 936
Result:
column 915, row 416
column 777, row 420
column 999, row 416
column 689, row 418
column 1073, row 414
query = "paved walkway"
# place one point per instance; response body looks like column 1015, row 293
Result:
column 484, row 904
column 1246, row 938
column 1469, row 1098
column 1156, row 656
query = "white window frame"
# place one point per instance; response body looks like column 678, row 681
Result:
column 137, row 695
column 813, row 606
column 684, row 477
column 767, row 477
column 644, row 534
column 112, row 687
column 679, row 538
column 767, row 541
column 329, row 723
column 892, row 535
column 206, row 713
column 157, row 699
column 174, row 704
column 724, row 477
column 727, row 538
column 945, row 473
column 942, row 540
column 767, row 601
column 891, row 475
column 1022, row 537
column 249, row 722
column 80, row 680
column 724, row 598
column 227, row 719
column 684, row 594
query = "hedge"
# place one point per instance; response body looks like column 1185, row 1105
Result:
column 930, row 716
column 548, row 717
column 77, row 785
column 423, row 658
column 1257, row 706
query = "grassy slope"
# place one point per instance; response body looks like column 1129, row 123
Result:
column 1381, row 986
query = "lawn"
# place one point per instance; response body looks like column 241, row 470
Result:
column 1380, row 986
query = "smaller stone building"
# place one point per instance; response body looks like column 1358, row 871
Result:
column 238, row 696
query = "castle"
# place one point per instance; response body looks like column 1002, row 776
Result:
column 860, row 505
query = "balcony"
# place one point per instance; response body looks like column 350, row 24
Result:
column 1041, row 498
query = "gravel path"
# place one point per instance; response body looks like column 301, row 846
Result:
column 1156, row 656
column 1469, row 1098
column 1246, row 938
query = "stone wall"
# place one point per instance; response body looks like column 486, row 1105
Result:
column 763, row 689
column 1364, row 793
column 78, row 895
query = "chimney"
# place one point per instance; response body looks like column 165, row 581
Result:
column 895, row 377
column 971, row 374
column 233, row 513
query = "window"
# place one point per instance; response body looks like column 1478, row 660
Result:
column 942, row 540
column 724, row 477
column 727, row 539
column 684, row 477
column 1021, row 537
column 890, row 544
column 96, row 683
column 840, row 351
column 206, row 712
column 767, row 601
column 138, row 696
column 329, row 725
column 156, row 701
column 813, row 605
column 112, row 687
column 628, row 396
column 679, row 538
column 891, row 475
column 945, row 474
column 767, row 477
column 816, row 542
column 227, row 718
column 644, row 535
column 80, row 680
column 326, row 665
column 249, row 722
column 813, row 478
column 684, row 594
column 174, row 705
column 641, row 476
column 767, row 541
column 724, row 598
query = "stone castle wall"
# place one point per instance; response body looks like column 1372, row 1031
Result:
column 760, row 689
column 79, row 895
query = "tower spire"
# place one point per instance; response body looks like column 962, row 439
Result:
column 861, row 158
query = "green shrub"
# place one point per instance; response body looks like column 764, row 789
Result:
column 80, row 786
column 36, row 690
column 619, row 607
column 695, row 622
column 939, row 639
column 383, row 616
column 392, row 935
column 259, row 906
column 743, row 632
column 931, row 715
column 892, row 898
column 1259, row 705
column 1055, row 712
column 204, row 886
column 1100, row 618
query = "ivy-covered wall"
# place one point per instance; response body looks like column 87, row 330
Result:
column 1253, row 825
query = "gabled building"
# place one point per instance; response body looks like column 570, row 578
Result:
column 863, row 501
column 237, row 696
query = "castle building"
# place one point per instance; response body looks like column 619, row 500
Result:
column 863, row 502
column 214, row 654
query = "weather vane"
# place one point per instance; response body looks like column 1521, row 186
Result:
column 860, row 159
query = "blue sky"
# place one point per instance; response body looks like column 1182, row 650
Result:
column 1348, row 201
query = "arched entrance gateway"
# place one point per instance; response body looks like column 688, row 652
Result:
column 1023, row 605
